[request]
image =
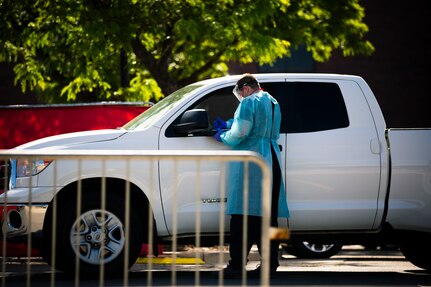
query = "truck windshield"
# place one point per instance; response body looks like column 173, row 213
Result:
column 151, row 115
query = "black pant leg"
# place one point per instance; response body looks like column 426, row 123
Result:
column 254, row 227
column 235, row 241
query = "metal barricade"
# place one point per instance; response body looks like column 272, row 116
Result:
column 104, row 179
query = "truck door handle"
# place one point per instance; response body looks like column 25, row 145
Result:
column 280, row 147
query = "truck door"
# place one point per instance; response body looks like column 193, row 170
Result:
column 219, row 102
column 332, row 172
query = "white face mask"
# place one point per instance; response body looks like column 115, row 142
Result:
column 237, row 94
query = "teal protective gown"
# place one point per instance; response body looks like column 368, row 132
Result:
column 252, row 129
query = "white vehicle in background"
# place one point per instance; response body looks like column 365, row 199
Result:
column 349, row 179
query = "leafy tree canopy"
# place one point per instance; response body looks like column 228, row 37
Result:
column 75, row 50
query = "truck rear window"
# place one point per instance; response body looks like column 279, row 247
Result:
column 309, row 106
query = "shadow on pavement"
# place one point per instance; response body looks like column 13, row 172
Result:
column 207, row 278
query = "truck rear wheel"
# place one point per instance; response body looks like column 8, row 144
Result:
column 417, row 250
column 95, row 236
column 309, row 250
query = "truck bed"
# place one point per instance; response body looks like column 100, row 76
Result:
column 410, row 183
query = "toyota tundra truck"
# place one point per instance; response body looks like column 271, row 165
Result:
column 348, row 178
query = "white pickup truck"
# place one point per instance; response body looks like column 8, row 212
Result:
column 348, row 178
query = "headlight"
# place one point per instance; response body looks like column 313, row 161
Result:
column 25, row 167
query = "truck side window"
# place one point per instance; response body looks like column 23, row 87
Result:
column 220, row 103
column 317, row 107
column 309, row 106
column 282, row 92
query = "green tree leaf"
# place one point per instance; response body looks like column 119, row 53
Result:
column 70, row 50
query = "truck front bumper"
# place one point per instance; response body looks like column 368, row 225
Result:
column 19, row 220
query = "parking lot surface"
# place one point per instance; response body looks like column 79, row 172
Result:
column 353, row 266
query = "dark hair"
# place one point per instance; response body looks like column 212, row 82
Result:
column 247, row 80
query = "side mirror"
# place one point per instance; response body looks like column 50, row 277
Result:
column 193, row 122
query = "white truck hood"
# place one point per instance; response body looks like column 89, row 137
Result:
column 73, row 139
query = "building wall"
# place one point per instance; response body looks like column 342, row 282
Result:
column 9, row 93
column 398, row 72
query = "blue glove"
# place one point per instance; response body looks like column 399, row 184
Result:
column 217, row 135
column 219, row 123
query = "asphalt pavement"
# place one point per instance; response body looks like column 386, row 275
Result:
column 353, row 266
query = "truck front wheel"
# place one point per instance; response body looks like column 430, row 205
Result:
column 95, row 237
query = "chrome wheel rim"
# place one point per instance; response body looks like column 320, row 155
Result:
column 318, row 248
column 97, row 236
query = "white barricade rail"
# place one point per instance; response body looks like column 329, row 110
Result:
column 109, row 232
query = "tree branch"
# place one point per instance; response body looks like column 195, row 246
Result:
column 143, row 54
column 195, row 75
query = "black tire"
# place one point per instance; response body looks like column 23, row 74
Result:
column 89, row 231
column 417, row 250
column 308, row 250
